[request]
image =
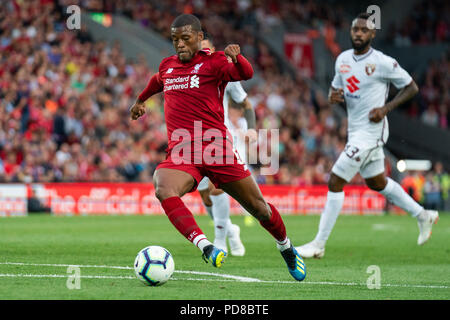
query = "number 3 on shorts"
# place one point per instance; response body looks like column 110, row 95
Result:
column 350, row 150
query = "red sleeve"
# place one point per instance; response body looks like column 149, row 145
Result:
column 154, row 86
column 228, row 71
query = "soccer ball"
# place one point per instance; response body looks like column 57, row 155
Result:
column 154, row 265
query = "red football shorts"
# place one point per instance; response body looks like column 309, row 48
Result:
column 218, row 173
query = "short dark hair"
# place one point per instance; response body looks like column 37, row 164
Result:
column 363, row 15
column 187, row 20
column 208, row 36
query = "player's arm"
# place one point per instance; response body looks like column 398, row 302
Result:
column 240, row 97
column 249, row 114
column 154, row 86
column 239, row 69
column 405, row 94
column 335, row 95
column 250, row 117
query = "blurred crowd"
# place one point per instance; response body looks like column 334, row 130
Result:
column 428, row 23
column 431, row 189
column 65, row 99
column 433, row 102
column 64, row 109
column 234, row 20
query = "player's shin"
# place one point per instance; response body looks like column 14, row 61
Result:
column 395, row 194
column 276, row 227
column 333, row 206
column 183, row 220
column 221, row 215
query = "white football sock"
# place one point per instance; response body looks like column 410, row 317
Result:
column 229, row 228
column 395, row 194
column 221, row 215
column 201, row 241
column 283, row 245
column 329, row 215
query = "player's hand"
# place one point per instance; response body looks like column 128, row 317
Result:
column 251, row 136
column 336, row 95
column 232, row 51
column 137, row 110
column 377, row 114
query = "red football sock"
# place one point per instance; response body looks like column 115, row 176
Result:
column 275, row 225
column 183, row 220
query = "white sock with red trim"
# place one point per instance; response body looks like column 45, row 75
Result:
column 201, row 241
column 283, row 245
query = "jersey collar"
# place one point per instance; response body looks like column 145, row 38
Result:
column 362, row 56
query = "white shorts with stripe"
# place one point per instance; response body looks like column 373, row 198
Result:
column 368, row 162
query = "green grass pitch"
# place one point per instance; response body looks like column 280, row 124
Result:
column 35, row 252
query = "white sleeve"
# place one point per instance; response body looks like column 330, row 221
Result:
column 394, row 73
column 337, row 80
column 236, row 92
column 243, row 124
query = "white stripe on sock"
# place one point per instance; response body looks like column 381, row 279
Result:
column 201, row 241
column 283, row 245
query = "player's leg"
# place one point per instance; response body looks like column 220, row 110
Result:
column 204, row 188
column 221, row 215
column 399, row 197
column 170, row 186
column 333, row 206
column 223, row 225
column 342, row 172
column 248, row 194
column 217, row 204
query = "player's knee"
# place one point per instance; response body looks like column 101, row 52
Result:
column 336, row 184
column 376, row 185
column 162, row 193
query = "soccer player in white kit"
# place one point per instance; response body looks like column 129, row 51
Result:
column 362, row 79
column 216, row 201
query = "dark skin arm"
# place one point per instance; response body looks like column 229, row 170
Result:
column 137, row 110
column 249, row 114
column 232, row 51
column 405, row 94
column 335, row 95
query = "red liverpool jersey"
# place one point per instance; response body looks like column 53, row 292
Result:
column 193, row 92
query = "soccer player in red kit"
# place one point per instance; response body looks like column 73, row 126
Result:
column 193, row 82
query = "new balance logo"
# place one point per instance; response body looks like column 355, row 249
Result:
column 352, row 81
column 195, row 81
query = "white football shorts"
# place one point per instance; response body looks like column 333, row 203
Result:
column 204, row 184
column 368, row 162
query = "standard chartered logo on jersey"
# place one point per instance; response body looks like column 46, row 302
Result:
column 181, row 83
column 214, row 147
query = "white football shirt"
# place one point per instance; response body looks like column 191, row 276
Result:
column 238, row 133
column 234, row 91
column 365, row 80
